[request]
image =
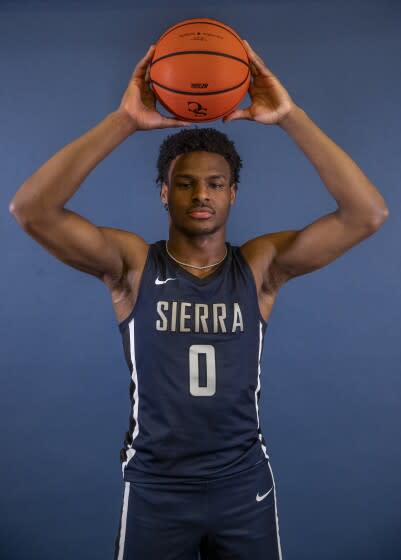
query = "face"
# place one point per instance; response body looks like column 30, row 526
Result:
column 199, row 181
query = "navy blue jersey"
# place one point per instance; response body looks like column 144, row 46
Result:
column 193, row 347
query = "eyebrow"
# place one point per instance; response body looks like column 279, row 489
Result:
column 187, row 175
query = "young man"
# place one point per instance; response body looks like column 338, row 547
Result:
column 193, row 311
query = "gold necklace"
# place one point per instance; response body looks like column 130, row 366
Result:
column 193, row 265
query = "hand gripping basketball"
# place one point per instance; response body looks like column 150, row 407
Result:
column 139, row 100
column 271, row 102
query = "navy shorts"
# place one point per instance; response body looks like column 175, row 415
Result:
column 231, row 517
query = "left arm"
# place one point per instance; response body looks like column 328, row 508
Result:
column 361, row 208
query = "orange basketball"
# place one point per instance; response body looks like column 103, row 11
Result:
column 200, row 70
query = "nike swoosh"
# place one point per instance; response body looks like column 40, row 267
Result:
column 157, row 281
column 259, row 498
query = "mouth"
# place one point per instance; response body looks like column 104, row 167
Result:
column 200, row 213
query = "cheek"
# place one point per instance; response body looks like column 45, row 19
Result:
column 181, row 200
column 177, row 205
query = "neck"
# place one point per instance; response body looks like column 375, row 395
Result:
column 197, row 253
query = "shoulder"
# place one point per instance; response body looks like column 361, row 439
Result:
column 260, row 253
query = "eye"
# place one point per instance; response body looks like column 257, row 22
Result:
column 212, row 185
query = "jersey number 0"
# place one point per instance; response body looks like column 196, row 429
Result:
column 195, row 388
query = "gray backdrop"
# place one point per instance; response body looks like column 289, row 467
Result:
column 330, row 400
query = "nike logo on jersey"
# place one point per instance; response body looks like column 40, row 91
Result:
column 158, row 282
column 260, row 498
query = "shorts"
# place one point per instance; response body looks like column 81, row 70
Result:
column 231, row 517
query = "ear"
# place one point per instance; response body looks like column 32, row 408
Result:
column 233, row 193
column 164, row 193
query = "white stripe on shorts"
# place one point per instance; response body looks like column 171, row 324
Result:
column 123, row 522
column 275, row 507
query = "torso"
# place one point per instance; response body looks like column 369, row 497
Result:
column 124, row 293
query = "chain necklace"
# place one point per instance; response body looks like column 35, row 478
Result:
column 193, row 265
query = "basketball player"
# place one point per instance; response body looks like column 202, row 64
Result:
column 192, row 312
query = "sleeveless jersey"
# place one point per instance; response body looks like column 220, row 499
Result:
column 193, row 348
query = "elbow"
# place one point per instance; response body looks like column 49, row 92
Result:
column 23, row 202
column 15, row 211
column 15, row 207
column 380, row 217
column 19, row 214
column 12, row 208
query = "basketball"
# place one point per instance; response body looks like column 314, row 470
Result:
column 200, row 70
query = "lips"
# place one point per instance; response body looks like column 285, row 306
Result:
column 200, row 214
column 203, row 212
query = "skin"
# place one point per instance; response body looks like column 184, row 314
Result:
column 117, row 257
column 198, row 241
column 202, row 241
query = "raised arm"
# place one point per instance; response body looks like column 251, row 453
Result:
column 38, row 205
column 361, row 208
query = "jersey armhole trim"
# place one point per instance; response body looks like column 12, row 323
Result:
column 124, row 323
column 253, row 282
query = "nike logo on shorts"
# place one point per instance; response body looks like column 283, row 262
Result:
column 260, row 498
column 157, row 281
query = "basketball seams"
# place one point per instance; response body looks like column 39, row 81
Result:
column 194, row 21
column 214, row 53
column 225, row 78
column 218, row 91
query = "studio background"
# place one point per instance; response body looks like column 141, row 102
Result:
column 330, row 397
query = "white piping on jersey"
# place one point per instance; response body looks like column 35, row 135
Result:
column 134, row 376
column 258, row 387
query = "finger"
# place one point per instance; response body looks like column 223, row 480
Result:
column 256, row 59
column 251, row 51
column 141, row 67
column 254, row 71
column 171, row 121
column 238, row 114
column 149, row 53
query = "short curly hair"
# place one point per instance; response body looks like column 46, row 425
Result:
column 198, row 139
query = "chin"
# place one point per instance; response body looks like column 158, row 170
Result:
column 198, row 229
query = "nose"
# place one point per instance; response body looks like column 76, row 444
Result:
column 200, row 192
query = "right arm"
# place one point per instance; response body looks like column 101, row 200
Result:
column 38, row 205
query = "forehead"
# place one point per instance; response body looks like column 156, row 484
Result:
column 199, row 163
